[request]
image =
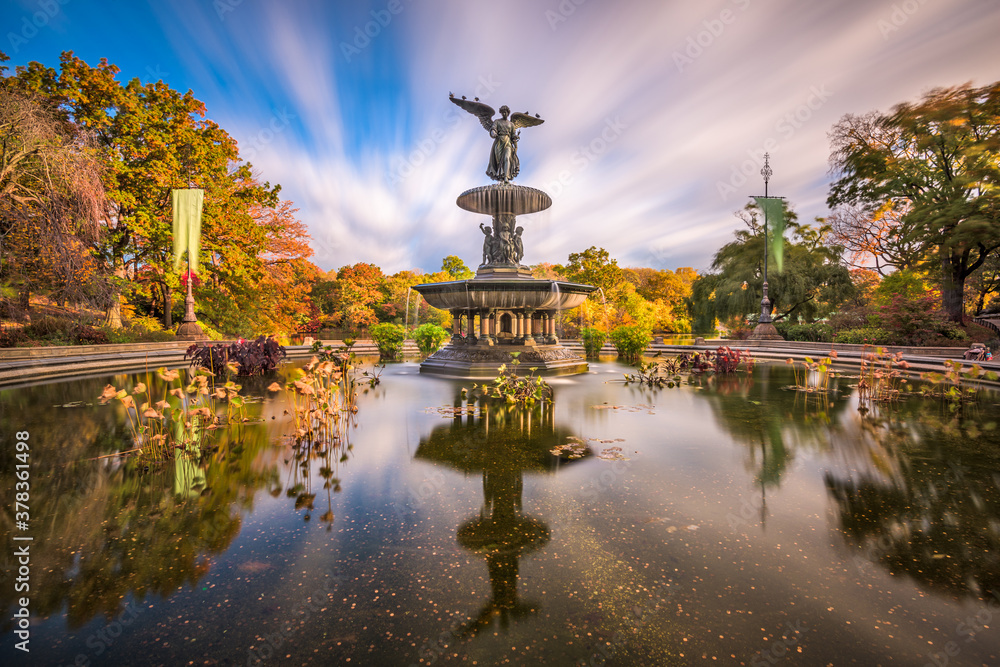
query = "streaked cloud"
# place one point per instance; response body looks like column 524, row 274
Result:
column 374, row 154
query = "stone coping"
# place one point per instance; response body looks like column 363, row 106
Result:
column 31, row 365
column 27, row 365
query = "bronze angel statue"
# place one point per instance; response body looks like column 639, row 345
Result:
column 504, row 164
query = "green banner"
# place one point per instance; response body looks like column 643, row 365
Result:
column 187, row 225
column 774, row 216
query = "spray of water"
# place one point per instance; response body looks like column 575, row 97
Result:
column 604, row 302
column 558, row 327
column 406, row 317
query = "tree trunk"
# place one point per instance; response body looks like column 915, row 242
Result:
column 113, row 317
column 953, row 286
column 24, row 298
column 168, row 306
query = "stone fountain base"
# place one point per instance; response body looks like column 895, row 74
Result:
column 460, row 359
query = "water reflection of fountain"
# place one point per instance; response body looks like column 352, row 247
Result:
column 502, row 443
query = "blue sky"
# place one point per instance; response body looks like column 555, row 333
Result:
column 655, row 111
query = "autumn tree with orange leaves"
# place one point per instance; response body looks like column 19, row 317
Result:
column 151, row 140
column 51, row 201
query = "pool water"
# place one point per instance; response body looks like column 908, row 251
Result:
column 732, row 521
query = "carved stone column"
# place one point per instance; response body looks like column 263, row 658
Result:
column 456, row 326
column 470, row 334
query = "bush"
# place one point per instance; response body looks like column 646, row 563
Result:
column 51, row 328
column 593, row 341
column 631, row 341
column 389, row 338
column 84, row 335
column 918, row 321
column 815, row 332
column 429, row 337
column 12, row 337
column 865, row 336
column 255, row 357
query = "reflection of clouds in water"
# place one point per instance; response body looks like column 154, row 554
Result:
column 561, row 381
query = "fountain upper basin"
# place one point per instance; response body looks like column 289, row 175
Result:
column 504, row 198
column 504, row 294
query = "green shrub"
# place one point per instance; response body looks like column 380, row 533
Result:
column 84, row 335
column 631, row 341
column 389, row 338
column 50, row 328
column 429, row 337
column 866, row 336
column 816, row 332
column 12, row 337
column 593, row 341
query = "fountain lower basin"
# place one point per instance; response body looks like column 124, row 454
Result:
column 496, row 320
column 502, row 294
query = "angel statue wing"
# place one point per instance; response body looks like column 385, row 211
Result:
column 524, row 120
column 484, row 112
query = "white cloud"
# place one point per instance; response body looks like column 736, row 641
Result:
column 651, row 196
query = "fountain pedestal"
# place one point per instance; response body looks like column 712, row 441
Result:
column 506, row 312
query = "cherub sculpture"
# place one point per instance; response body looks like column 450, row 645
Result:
column 504, row 164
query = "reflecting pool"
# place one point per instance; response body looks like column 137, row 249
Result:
column 732, row 520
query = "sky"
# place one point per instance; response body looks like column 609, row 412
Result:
column 657, row 113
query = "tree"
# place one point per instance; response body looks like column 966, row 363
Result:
column 937, row 162
column 874, row 236
column 546, row 271
column 361, row 288
column 668, row 291
column 593, row 266
column 152, row 139
column 51, row 201
column 812, row 285
column 456, row 268
column 984, row 282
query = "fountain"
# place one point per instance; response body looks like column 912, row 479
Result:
column 515, row 312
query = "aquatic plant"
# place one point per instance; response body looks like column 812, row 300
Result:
column 657, row 374
column 631, row 341
column 954, row 386
column 593, row 340
column 882, row 377
column 389, row 338
column 513, row 388
column 159, row 427
column 429, row 337
column 669, row 372
column 251, row 358
column 822, row 368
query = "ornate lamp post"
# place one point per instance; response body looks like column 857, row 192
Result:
column 765, row 329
